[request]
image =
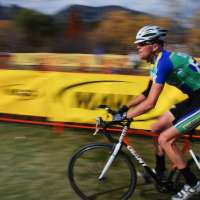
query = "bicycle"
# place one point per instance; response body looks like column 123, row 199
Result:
column 94, row 169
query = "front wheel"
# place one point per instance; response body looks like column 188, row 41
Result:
column 86, row 165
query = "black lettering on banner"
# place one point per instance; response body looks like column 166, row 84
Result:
column 82, row 100
column 90, row 101
column 22, row 93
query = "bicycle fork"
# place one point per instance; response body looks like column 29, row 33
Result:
column 110, row 160
column 114, row 153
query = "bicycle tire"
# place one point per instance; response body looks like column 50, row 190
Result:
column 84, row 169
column 179, row 180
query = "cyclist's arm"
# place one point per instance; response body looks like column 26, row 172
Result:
column 148, row 103
column 162, row 69
column 137, row 100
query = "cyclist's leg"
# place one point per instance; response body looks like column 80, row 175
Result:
column 163, row 122
column 167, row 141
column 190, row 120
column 186, row 117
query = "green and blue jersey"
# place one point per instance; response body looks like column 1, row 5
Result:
column 177, row 69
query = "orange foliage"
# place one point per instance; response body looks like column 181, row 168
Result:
column 120, row 27
column 6, row 24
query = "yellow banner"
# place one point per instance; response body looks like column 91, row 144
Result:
column 74, row 97
column 22, row 92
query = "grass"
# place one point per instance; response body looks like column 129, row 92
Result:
column 33, row 162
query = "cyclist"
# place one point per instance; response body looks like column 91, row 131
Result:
column 183, row 72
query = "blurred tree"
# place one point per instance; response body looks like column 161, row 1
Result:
column 6, row 24
column 115, row 31
column 10, row 37
column 142, row 20
column 74, row 33
column 118, row 29
column 196, row 20
column 38, row 28
column 193, row 38
column 164, row 22
column 6, row 27
column 74, row 25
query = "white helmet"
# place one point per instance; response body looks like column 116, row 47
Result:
column 150, row 33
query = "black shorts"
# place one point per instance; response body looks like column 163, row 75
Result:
column 187, row 113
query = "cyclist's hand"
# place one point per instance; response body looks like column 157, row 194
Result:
column 122, row 109
column 119, row 117
column 120, row 114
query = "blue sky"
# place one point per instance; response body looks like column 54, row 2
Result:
column 159, row 7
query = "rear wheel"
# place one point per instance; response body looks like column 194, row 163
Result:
column 86, row 165
column 179, row 180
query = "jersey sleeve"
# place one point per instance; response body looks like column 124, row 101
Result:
column 162, row 69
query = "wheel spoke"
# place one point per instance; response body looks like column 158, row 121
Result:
column 86, row 166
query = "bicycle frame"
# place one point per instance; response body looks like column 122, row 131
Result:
column 115, row 152
column 123, row 141
column 194, row 158
column 115, row 156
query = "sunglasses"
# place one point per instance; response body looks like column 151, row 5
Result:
column 141, row 44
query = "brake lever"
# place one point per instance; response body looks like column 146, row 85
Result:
column 98, row 122
column 107, row 108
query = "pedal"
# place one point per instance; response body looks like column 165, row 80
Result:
column 165, row 187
